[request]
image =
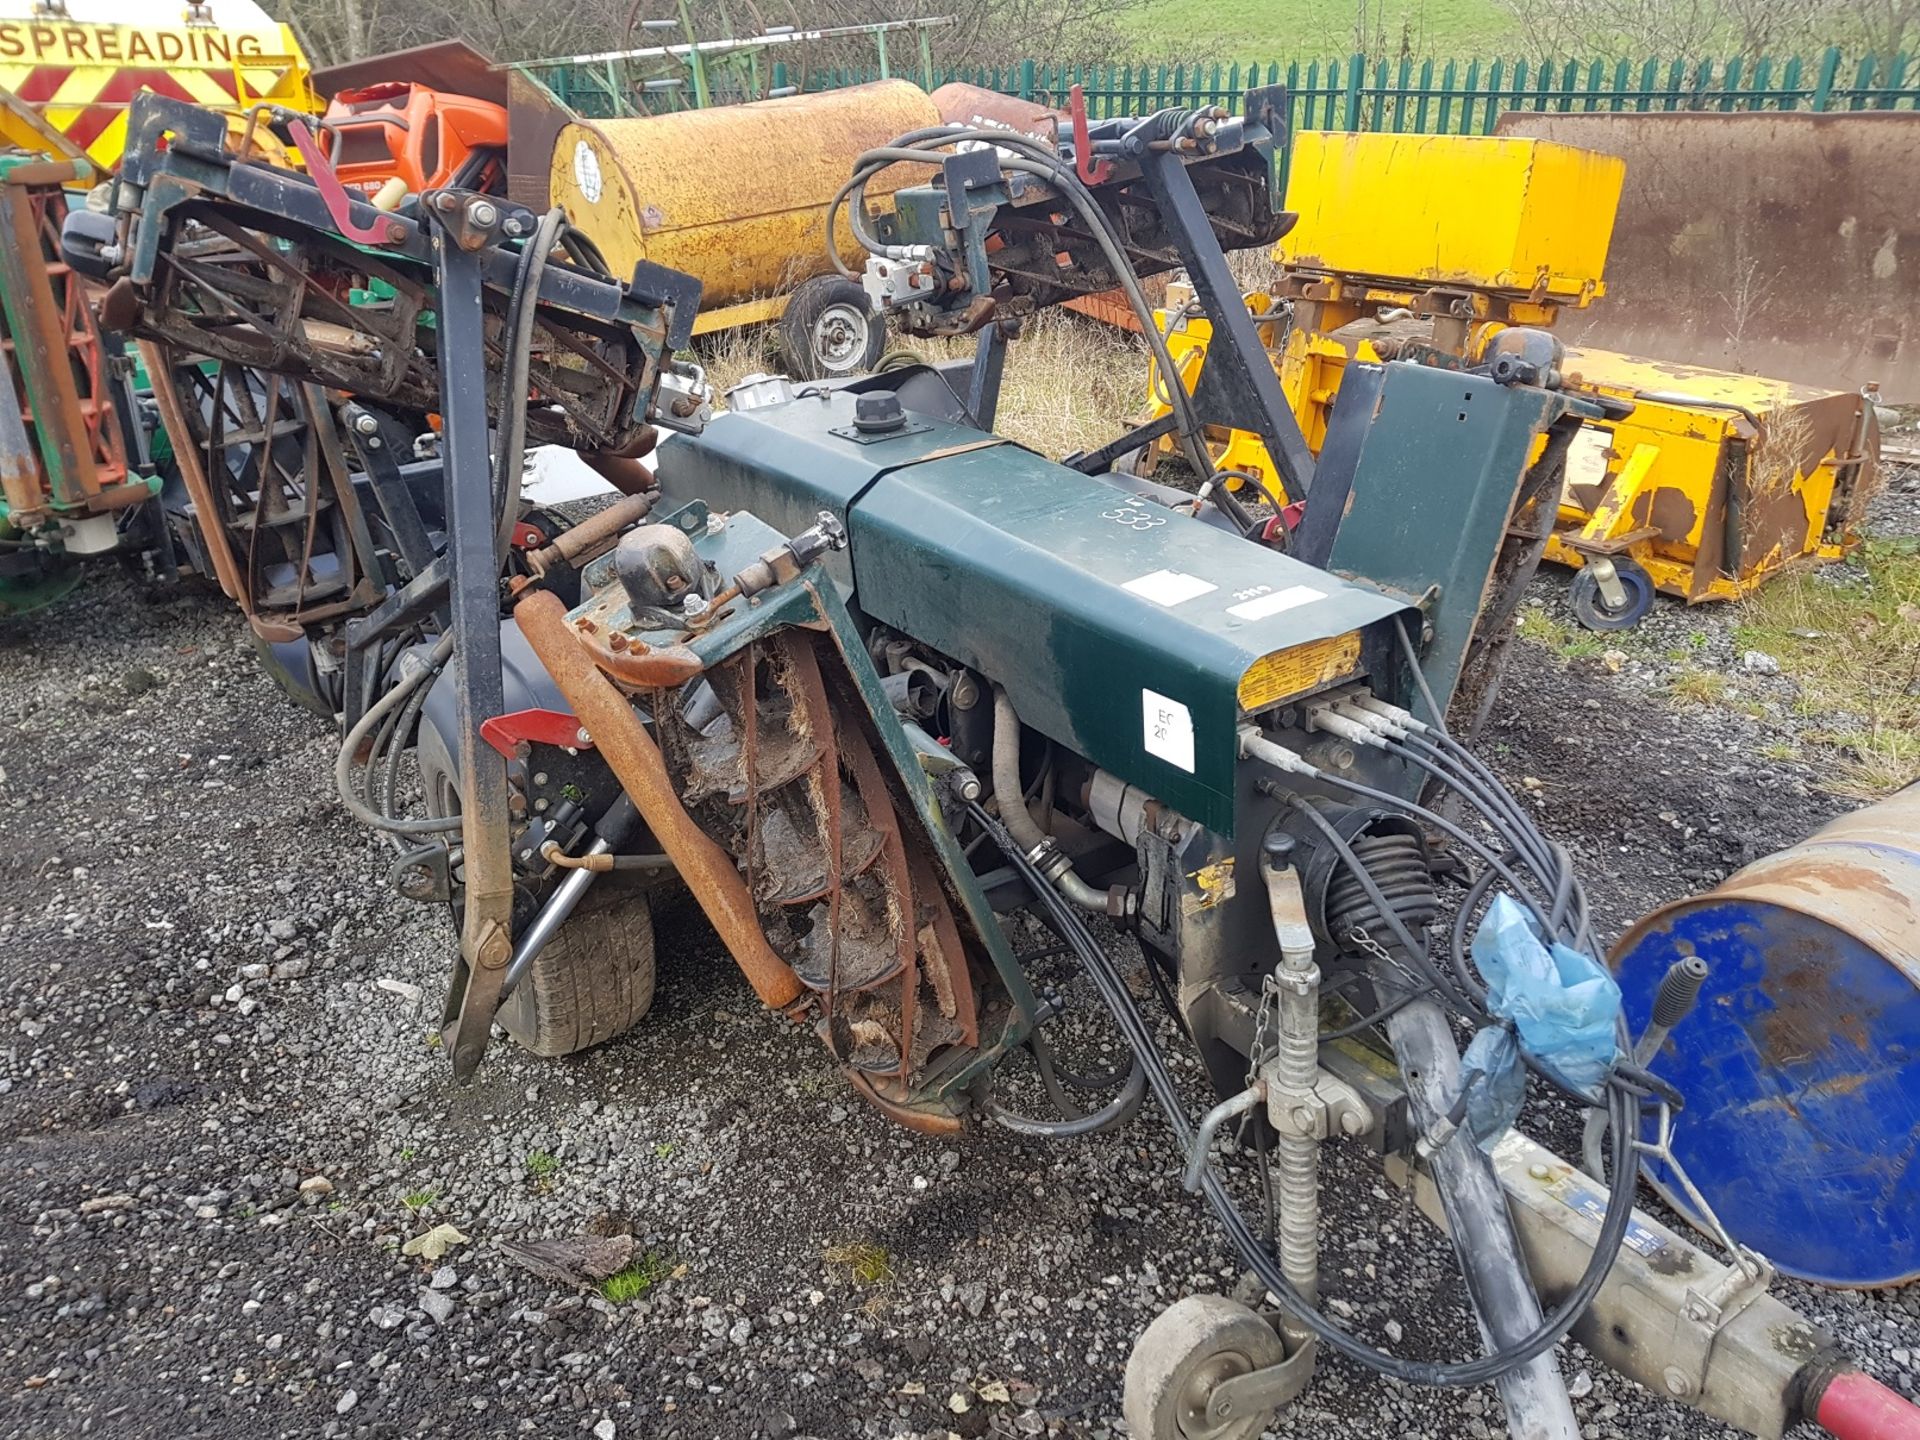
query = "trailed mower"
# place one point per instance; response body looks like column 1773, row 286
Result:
column 871, row 680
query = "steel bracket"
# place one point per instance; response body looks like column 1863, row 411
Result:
column 1265, row 1390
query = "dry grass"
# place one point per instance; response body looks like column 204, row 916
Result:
column 1071, row 383
column 1851, row 639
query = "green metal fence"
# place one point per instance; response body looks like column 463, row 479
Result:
column 1450, row 97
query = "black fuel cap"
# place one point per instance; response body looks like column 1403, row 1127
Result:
column 877, row 411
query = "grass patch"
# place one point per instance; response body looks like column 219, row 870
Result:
column 866, row 1263
column 1851, row 640
column 1698, row 687
column 1261, row 30
column 542, row 1167
column 625, row 1286
column 418, row 1200
column 1569, row 642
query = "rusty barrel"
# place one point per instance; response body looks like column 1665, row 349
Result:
column 736, row 194
column 1799, row 1065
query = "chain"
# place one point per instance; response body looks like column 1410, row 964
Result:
column 1367, row 945
column 1269, row 1005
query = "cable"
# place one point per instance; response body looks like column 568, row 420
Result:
column 343, row 780
column 1552, row 1329
column 522, row 316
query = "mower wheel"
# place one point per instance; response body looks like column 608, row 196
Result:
column 594, row 979
column 1189, row 1349
column 1590, row 607
column 830, row 332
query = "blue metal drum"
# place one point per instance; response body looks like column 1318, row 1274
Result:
column 1799, row 1063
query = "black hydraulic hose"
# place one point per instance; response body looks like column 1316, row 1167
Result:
column 1111, row 1116
column 522, row 312
column 1414, row 950
column 343, row 781
column 1613, row 1225
column 1035, row 158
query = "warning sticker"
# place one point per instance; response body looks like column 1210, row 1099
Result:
column 1169, row 587
column 1166, row 729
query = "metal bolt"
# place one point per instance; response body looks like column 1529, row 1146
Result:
column 582, row 736
column 1677, row 1382
column 540, row 804
column 482, row 213
column 512, row 225
column 366, row 424
column 693, row 607
column 1538, row 1171
column 1352, row 1122
column 540, row 777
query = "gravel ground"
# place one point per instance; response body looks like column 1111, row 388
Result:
column 222, row 1112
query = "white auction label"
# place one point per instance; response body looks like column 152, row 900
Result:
column 1167, row 729
column 1262, row 606
column 1169, row 587
column 586, row 172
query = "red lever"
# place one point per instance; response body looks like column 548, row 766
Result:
column 339, row 204
column 543, row 727
column 1090, row 170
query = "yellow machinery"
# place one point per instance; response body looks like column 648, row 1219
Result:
column 77, row 65
column 1429, row 247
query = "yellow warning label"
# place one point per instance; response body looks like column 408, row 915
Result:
column 1284, row 674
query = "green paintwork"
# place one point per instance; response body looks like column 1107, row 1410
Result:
column 1439, row 469
column 1018, row 568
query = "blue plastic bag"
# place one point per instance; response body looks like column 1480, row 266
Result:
column 1564, row 1008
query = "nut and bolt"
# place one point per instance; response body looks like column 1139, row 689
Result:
column 582, row 736
column 1677, row 1382
column 482, row 213
column 693, row 607
column 366, row 424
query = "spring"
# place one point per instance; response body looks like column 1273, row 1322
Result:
column 1397, row 863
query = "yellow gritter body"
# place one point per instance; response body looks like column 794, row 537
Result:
column 1716, row 481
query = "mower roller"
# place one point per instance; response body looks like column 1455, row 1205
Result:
column 869, row 680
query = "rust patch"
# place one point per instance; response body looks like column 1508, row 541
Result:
column 1671, row 513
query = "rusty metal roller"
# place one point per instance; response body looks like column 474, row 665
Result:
column 1798, row 1063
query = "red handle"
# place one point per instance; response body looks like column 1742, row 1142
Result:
column 1090, row 170
column 1855, row 1406
column 339, row 205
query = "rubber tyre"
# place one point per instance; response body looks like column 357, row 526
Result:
column 829, row 332
column 1591, row 611
column 1192, row 1345
column 595, row 978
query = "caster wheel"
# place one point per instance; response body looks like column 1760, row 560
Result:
column 1178, row 1360
column 1590, row 606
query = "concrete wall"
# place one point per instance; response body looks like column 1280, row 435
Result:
column 1785, row 245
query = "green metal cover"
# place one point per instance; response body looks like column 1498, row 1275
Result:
column 1118, row 627
column 1441, row 461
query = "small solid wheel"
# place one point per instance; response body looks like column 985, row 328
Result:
column 829, row 331
column 594, row 979
column 1590, row 607
column 1182, row 1356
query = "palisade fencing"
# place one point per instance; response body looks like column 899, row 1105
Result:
column 1443, row 97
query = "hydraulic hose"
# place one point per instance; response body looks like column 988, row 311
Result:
column 1019, row 820
column 350, row 747
column 510, row 459
column 1613, row 1226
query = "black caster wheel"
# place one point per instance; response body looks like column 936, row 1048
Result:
column 1590, row 606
